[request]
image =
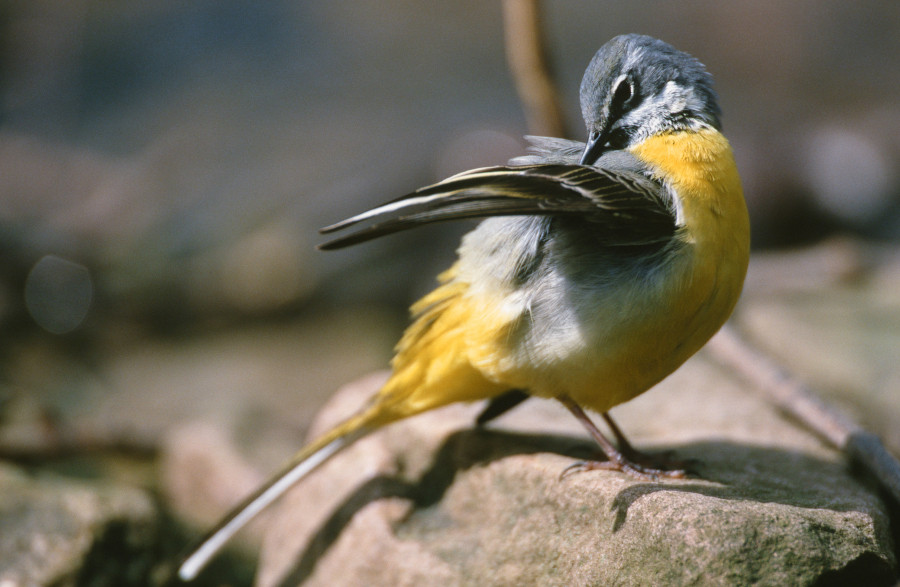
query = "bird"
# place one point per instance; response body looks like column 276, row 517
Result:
column 596, row 270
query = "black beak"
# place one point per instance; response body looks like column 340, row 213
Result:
column 594, row 148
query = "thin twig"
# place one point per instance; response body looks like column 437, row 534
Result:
column 801, row 402
column 527, row 57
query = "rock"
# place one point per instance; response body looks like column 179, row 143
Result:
column 432, row 501
column 202, row 473
column 63, row 532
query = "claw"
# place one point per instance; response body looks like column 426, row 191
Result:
column 576, row 467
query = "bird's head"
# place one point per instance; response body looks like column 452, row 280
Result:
column 637, row 86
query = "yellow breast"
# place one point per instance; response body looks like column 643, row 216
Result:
column 706, row 279
column 700, row 170
column 699, row 167
column 646, row 329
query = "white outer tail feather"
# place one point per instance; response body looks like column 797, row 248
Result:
column 293, row 473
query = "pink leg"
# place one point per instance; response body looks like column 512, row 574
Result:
column 626, row 460
column 663, row 460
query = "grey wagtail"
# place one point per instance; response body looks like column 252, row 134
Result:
column 599, row 269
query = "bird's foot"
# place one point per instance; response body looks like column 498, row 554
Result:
column 625, row 458
column 661, row 461
column 633, row 468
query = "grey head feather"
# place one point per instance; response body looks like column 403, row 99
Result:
column 666, row 89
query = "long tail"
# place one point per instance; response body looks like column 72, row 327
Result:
column 303, row 463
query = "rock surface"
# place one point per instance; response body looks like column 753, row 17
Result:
column 64, row 532
column 432, row 501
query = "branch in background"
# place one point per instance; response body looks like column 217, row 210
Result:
column 527, row 57
column 802, row 403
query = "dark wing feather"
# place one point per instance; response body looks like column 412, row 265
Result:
column 626, row 207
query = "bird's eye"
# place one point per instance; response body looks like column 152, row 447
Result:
column 623, row 92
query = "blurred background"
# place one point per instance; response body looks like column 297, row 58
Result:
column 177, row 159
column 164, row 168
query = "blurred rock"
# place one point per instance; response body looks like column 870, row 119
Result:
column 63, row 532
column 202, row 474
column 262, row 382
column 429, row 501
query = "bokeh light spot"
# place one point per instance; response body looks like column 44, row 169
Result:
column 58, row 294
